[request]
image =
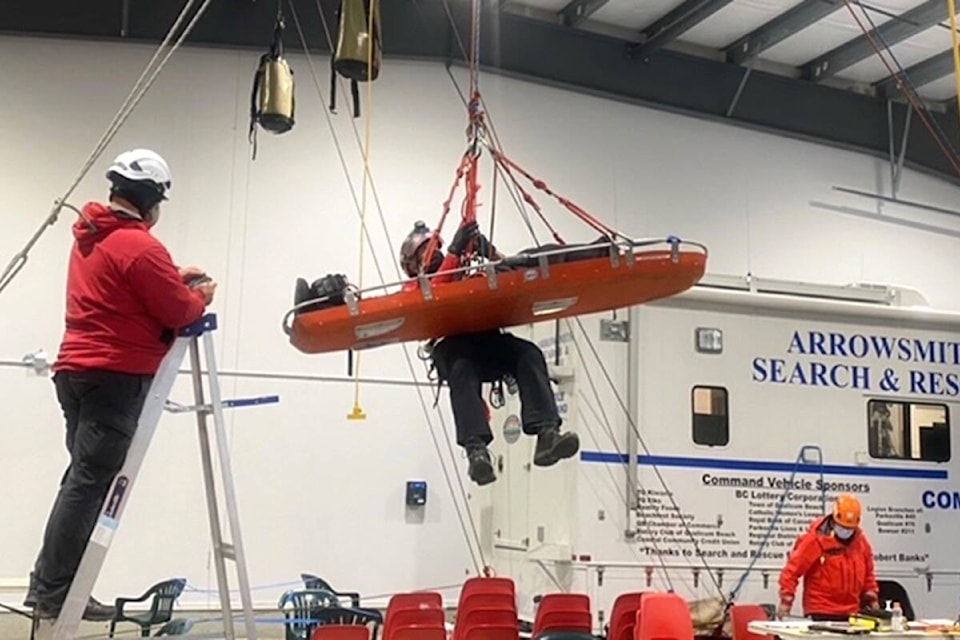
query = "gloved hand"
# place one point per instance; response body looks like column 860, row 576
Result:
column 485, row 248
column 464, row 235
column 783, row 609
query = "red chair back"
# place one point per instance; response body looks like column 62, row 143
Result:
column 487, row 617
column 623, row 618
column 743, row 614
column 340, row 632
column 563, row 612
column 417, row 633
column 475, row 586
column 492, row 632
column 663, row 616
column 417, row 600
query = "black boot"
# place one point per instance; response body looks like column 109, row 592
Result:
column 481, row 468
column 95, row 611
column 553, row 446
column 30, row 601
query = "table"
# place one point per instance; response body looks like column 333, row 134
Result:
column 794, row 629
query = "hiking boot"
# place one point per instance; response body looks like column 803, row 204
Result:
column 94, row 612
column 553, row 446
column 481, row 467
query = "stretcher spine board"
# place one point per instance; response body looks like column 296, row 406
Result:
column 502, row 294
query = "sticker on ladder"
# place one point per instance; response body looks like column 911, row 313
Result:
column 103, row 532
column 116, row 497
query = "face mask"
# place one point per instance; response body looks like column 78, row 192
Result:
column 842, row 532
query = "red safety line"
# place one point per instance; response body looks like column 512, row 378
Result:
column 573, row 208
column 907, row 91
column 465, row 162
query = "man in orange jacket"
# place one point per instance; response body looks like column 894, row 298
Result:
column 835, row 560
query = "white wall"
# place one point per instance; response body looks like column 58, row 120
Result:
column 317, row 492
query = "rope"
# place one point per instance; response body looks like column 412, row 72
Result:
column 572, row 207
column 139, row 89
column 907, row 89
column 936, row 125
column 643, row 444
column 773, row 522
column 406, row 351
column 434, row 243
column 613, row 440
column 512, row 185
column 366, row 176
column 952, row 5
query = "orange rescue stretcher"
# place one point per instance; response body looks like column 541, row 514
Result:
column 531, row 287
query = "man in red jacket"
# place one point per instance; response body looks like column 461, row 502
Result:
column 835, row 560
column 125, row 302
column 466, row 361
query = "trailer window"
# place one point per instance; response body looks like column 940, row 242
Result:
column 908, row 430
column 711, row 425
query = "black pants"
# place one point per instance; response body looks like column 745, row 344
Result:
column 466, row 361
column 101, row 410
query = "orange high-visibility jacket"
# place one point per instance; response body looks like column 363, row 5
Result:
column 836, row 574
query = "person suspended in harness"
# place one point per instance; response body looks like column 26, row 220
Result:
column 467, row 361
column 835, row 560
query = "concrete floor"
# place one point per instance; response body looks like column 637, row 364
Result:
column 15, row 627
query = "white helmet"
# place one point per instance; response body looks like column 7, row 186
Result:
column 143, row 165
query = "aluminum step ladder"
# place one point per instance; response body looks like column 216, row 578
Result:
column 66, row 626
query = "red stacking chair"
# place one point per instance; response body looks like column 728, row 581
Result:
column 492, row 632
column 486, row 585
column 663, row 616
column 563, row 612
column 487, row 617
column 416, row 600
column 743, row 614
column 417, row 633
column 623, row 618
column 341, row 632
column 489, row 603
column 421, row 609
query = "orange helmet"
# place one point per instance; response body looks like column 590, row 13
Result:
column 846, row 511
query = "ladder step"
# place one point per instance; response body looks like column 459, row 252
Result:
column 228, row 551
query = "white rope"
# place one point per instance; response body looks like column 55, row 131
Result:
column 139, row 89
column 477, row 557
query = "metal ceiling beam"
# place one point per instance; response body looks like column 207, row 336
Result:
column 538, row 51
column 780, row 28
column 577, row 12
column 674, row 24
column 895, row 30
column 922, row 73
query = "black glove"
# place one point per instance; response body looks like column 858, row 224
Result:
column 464, row 235
column 485, row 248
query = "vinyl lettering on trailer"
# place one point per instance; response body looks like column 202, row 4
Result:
column 740, row 516
column 866, row 362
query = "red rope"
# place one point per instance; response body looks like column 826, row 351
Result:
column 533, row 203
column 909, row 93
column 466, row 162
column 573, row 208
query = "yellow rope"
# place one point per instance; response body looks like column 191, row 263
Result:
column 956, row 46
column 358, row 413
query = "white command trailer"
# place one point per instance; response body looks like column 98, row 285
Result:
column 752, row 405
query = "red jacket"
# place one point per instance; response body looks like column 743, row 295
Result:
column 836, row 575
column 123, row 295
column 450, row 262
